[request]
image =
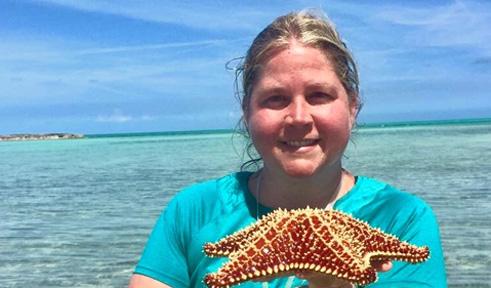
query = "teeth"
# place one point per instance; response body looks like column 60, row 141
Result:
column 300, row 143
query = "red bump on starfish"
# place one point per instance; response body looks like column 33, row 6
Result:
column 324, row 241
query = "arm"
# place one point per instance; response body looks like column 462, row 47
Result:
column 140, row 281
column 163, row 259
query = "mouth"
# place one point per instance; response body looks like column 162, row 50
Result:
column 301, row 143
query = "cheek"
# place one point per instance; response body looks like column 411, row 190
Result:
column 336, row 127
column 262, row 129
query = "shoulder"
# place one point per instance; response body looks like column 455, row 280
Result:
column 210, row 194
column 227, row 184
column 389, row 208
column 379, row 193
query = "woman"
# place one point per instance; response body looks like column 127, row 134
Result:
column 300, row 101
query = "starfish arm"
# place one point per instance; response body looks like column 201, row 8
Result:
column 402, row 252
column 230, row 243
column 259, row 258
column 381, row 245
column 235, row 241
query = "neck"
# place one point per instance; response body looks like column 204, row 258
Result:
column 317, row 191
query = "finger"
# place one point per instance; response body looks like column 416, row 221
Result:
column 386, row 266
column 382, row 265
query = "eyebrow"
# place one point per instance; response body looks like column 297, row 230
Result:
column 325, row 85
column 265, row 91
column 276, row 87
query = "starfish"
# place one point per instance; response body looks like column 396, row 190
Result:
column 324, row 241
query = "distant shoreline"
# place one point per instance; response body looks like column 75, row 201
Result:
column 426, row 123
column 47, row 136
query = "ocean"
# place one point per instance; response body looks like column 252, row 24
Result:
column 77, row 213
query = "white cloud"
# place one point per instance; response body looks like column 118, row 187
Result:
column 139, row 48
column 117, row 116
column 458, row 24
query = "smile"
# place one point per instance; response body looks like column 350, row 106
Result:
column 301, row 143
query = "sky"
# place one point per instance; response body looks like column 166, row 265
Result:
column 83, row 66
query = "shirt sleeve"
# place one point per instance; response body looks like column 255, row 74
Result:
column 415, row 223
column 163, row 258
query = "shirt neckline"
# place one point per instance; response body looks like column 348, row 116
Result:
column 254, row 207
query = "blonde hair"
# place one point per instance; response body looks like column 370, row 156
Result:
column 310, row 28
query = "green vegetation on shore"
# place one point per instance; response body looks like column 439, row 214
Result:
column 47, row 136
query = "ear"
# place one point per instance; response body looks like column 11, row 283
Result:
column 246, row 123
column 354, row 109
column 245, row 117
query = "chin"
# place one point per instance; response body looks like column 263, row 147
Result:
column 299, row 171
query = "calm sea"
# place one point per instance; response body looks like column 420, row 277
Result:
column 76, row 213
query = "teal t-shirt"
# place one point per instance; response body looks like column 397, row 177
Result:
column 209, row 211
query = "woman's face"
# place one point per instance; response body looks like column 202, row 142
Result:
column 299, row 115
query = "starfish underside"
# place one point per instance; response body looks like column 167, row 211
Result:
column 324, row 241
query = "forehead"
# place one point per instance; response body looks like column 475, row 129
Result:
column 297, row 53
column 298, row 61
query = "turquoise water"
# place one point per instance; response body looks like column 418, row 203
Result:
column 76, row 213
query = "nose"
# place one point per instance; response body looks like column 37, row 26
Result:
column 298, row 113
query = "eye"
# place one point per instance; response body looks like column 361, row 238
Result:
column 319, row 98
column 275, row 102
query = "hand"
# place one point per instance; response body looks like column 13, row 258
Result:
column 320, row 280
